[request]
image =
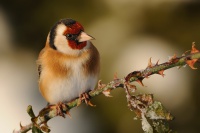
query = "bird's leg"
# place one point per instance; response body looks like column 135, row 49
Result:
column 60, row 107
column 86, row 98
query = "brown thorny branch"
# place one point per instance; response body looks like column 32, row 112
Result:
column 143, row 105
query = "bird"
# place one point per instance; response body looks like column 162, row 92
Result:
column 69, row 64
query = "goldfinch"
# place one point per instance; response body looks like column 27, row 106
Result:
column 69, row 64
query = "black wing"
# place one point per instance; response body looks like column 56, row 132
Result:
column 39, row 69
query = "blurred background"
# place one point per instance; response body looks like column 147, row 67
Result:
column 128, row 33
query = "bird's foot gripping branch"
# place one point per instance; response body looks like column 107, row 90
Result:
column 154, row 117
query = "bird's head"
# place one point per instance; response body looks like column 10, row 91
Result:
column 67, row 36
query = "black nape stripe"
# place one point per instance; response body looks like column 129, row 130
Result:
column 66, row 22
column 52, row 36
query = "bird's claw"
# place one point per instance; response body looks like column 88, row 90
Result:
column 86, row 99
column 61, row 109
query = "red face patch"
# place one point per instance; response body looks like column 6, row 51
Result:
column 75, row 29
column 74, row 45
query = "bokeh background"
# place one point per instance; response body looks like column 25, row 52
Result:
column 128, row 33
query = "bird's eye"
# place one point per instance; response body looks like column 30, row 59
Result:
column 69, row 36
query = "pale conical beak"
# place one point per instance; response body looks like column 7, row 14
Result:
column 84, row 37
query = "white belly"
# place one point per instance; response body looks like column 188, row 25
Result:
column 66, row 89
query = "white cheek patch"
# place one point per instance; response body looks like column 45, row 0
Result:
column 61, row 43
column 60, row 29
column 60, row 40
